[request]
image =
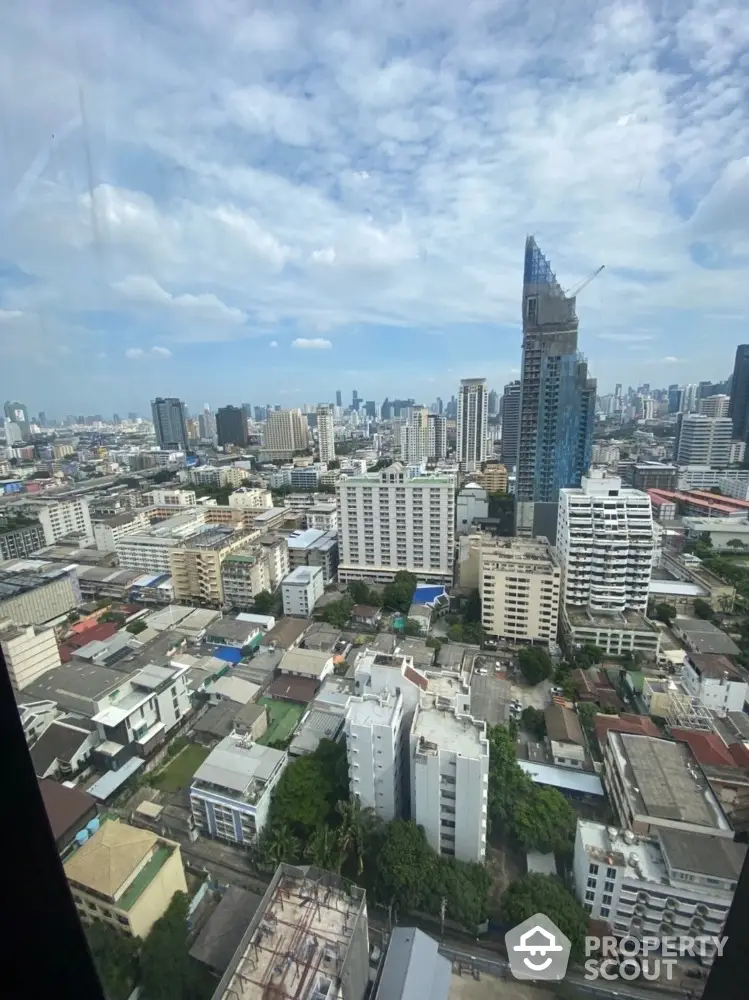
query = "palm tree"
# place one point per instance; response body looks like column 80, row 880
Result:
column 356, row 828
column 281, row 845
column 322, row 847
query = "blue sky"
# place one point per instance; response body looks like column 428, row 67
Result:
column 230, row 202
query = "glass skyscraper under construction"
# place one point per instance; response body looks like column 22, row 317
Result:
column 557, row 398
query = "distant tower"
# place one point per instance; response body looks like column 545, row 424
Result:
column 170, row 423
column 472, row 423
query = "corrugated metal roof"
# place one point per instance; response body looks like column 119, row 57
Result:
column 414, row 968
column 565, row 778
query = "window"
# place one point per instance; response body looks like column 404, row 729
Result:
column 608, row 886
column 605, row 911
column 611, row 873
column 592, row 883
column 593, row 870
column 590, row 895
column 606, row 899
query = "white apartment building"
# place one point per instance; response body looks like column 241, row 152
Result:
column 276, row 549
column 450, row 778
column 216, row 475
column 702, row 477
column 389, row 521
column 196, row 563
column 147, row 552
column 231, row 791
column 250, row 498
column 171, row 498
column 245, row 574
column 520, row 585
column 374, row 743
column 108, row 531
column 29, row 652
column 716, row 681
column 414, row 436
column 322, row 516
column 714, row 406
column 471, row 503
column 301, row 590
column 473, row 402
column 286, row 431
column 702, row 440
column 62, row 517
column 670, row 884
column 605, row 550
column 325, row 435
column 437, row 437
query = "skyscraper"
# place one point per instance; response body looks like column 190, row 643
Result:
column 286, row 431
column 472, row 417
column 738, row 409
column 510, row 423
column 437, row 434
column 170, row 423
column 18, row 413
column 338, row 398
column 355, row 401
column 325, row 437
column 493, row 403
column 415, row 436
column 231, row 425
column 557, row 398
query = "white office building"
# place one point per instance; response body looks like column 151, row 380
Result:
column 450, row 777
column 250, row 498
column 231, row 791
column 605, row 549
column 301, row 590
column 702, row 440
column 373, row 741
column 414, row 437
column 473, row 402
column 29, row 652
column 325, row 436
column 716, row 681
column 390, row 521
column 61, row 517
column 671, row 884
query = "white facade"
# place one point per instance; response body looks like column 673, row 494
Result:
column 605, row 545
column 716, row 682
column 146, row 706
column 472, row 502
column 322, row 517
column 714, row 406
column 519, row 581
column 473, row 401
column 171, row 498
column 450, row 779
column 373, row 742
column 216, row 475
column 325, row 435
column 108, row 532
column 704, row 440
column 286, row 430
column 662, row 886
column 63, row 517
column 301, row 589
column 147, row 552
column 389, row 522
column 29, row 652
column 231, row 791
column 248, row 498
column 414, row 436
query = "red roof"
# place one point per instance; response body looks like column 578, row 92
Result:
column 639, row 725
column 416, row 678
column 708, row 748
column 740, row 754
column 105, row 630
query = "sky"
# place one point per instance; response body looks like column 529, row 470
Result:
column 232, row 202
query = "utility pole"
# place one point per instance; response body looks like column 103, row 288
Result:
column 443, row 909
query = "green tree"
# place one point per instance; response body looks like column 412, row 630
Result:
column 307, row 792
column 535, row 893
column 360, row 593
column 264, row 602
column 136, row 627
column 534, row 721
column 665, row 613
column 115, row 957
column 279, row 844
column 357, row 826
column 398, row 594
column 412, row 627
column 167, row 971
column 535, row 664
column 337, row 612
column 702, row 609
column 322, row 848
column 472, row 607
column 163, row 476
column 735, row 543
column 588, row 655
column 544, row 821
column 116, row 617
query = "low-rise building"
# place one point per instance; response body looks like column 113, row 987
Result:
column 250, row 498
column 108, row 531
column 493, row 478
column 673, row 883
column 233, row 632
column 718, row 683
column 69, row 811
column 216, row 475
column 33, row 593
column 565, row 736
column 29, row 652
column 301, row 590
column 323, row 516
column 170, row 498
column 125, row 876
column 701, row 636
column 311, row 663
column 19, row 537
column 64, row 747
column 314, row 547
column 231, row 791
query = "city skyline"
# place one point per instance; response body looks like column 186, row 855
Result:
column 191, row 225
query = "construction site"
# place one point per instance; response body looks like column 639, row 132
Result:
column 308, row 940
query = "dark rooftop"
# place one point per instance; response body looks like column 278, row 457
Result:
column 225, row 928
column 57, row 742
column 285, row 633
column 715, row 666
column 67, row 808
column 716, row 857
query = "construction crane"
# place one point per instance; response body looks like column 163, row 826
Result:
column 572, row 292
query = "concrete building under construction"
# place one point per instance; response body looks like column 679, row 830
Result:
column 308, row 940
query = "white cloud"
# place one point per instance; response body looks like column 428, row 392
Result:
column 311, row 343
column 161, row 352
column 137, row 353
column 670, row 359
column 7, row 315
column 142, row 289
column 273, row 343
column 134, row 353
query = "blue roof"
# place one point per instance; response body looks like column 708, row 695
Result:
column 564, row 778
column 109, row 783
column 427, row 595
column 227, row 653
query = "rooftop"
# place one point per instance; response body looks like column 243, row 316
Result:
column 627, row 621
column 704, row 637
column 74, row 685
column 285, row 632
column 568, row 779
column 372, row 710
column 302, row 576
column 414, row 969
column 714, row 666
column 309, row 662
column 665, row 781
column 214, row 538
column 231, row 628
column 109, row 862
column 438, row 730
column 222, row 933
column 239, row 766
column 304, row 539
column 693, row 852
column 304, row 926
column 67, row 808
column 563, row 725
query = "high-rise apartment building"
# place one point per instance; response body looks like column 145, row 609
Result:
column 60, row 517
column 510, row 423
column 169, row 416
column 557, row 398
column 714, row 406
column 18, row 413
column 390, row 522
column 702, row 440
column 493, row 403
column 231, row 426
column 286, row 431
column 473, row 405
column 415, row 436
column 739, row 406
column 325, row 436
column 437, row 435
column 29, row 652
column 688, row 397
column 374, row 743
column 605, row 549
column 338, row 398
